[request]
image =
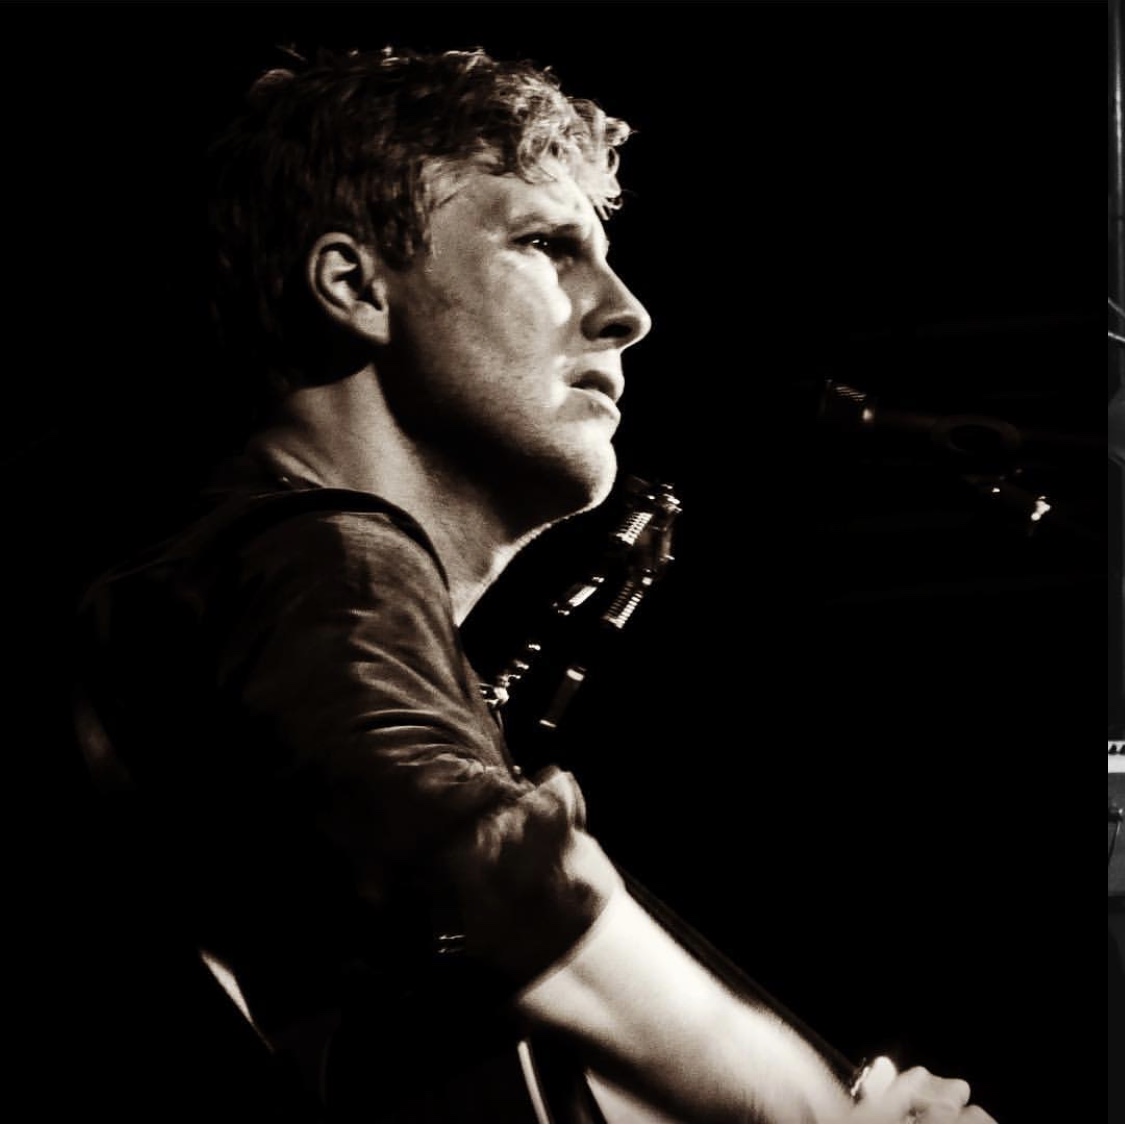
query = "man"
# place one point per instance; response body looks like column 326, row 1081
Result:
column 413, row 269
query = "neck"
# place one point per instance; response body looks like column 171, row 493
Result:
column 341, row 435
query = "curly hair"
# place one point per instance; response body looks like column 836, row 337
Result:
column 347, row 143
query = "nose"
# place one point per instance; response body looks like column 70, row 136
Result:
column 617, row 318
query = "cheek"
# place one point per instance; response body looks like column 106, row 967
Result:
column 511, row 332
column 529, row 291
column 535, row 325
column 502, row 323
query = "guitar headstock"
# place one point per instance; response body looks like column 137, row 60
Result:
column 637, row 555
column 643, row 540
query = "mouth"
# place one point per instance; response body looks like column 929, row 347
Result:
column 598, row 401
column 602, row 382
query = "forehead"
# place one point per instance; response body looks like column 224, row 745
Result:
column 472, row 194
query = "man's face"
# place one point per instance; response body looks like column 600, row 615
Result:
column 506, row 340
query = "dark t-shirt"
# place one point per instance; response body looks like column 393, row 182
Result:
column 325, row 801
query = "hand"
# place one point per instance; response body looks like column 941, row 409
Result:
column 915, row 1095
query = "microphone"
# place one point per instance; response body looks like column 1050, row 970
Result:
column 989, row 454
column 849, row 410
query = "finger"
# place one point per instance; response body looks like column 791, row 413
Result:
column 926, row 1087
column 880, row 1074
column 942, row 1110
column 974, row 1114
column 955, row 1090
column 936, row 1112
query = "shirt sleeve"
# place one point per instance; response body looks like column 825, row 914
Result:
column 341, row 655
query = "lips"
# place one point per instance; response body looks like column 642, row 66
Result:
column 609, row 383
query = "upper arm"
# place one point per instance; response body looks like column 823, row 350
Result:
column 334, row 644
column 336, row 649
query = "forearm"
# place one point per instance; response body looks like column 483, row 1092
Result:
column 657, row 1023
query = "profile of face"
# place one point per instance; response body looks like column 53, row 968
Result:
column 506, row 338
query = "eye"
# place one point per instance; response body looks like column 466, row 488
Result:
column 557, row 247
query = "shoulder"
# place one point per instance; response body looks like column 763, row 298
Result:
column 316, row 535
column 339, row 536
column 250, row 549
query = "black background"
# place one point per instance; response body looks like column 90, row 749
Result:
column 851, row 735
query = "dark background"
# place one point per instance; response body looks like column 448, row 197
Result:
column 849, row 737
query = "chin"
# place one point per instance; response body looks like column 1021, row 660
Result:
column 568, row 488
column 593, row 476
column 601, row 489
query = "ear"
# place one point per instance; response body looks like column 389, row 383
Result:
column 347, row 279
